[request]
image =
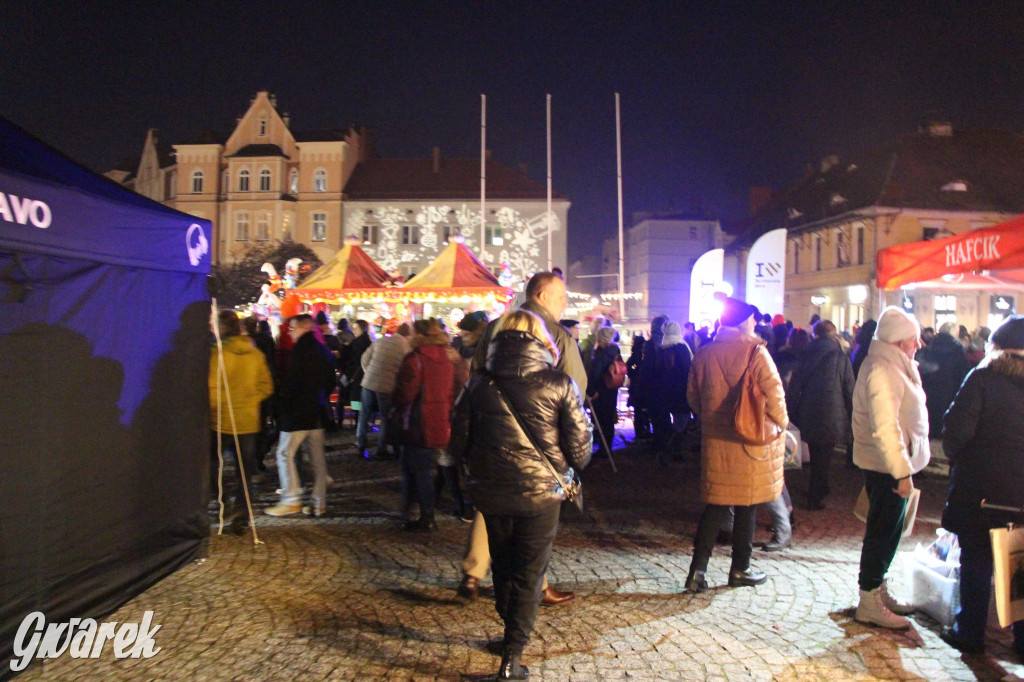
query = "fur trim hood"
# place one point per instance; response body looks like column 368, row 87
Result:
column 1009, row 363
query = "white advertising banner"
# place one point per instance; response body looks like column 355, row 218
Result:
column 766, row 272
column 705, row 281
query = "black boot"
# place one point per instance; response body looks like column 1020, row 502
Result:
column 695, row 582
column 510, row 668
column 424, row 524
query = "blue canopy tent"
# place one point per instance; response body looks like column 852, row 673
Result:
column 104, row 352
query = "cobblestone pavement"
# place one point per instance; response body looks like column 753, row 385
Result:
column 353, row 597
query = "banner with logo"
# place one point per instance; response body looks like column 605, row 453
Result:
column 705, row 281
column 1000, row 247
column 766, row 272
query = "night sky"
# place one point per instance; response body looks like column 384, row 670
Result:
column 716, row 97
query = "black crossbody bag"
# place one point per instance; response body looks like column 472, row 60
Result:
column 573, row 490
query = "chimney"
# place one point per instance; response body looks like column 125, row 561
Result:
column 287, row 118
column 759, row 198
column 828, row 162
column 437, row 160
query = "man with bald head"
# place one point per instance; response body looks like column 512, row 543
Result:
column 545, row 296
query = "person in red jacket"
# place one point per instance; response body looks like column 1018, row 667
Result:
column 423, row 398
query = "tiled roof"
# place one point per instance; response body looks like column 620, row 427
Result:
column 455, row 179
column 252, row 150
column 969, row 170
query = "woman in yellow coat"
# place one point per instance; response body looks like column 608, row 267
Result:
column 733, row 473
column 249, row 384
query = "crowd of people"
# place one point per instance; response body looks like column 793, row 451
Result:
column 504, row 418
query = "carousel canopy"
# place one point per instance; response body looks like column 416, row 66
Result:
column 455, row 268
column 351, row 273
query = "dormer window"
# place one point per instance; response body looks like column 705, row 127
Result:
column 955, row 186
column 261, row 127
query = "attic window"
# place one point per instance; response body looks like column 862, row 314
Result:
column 261, row 126
column 955, row 186
column 837, row 199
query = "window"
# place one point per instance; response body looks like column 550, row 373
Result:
column 369, row 234
column 945, row 310
column 817, row 252
column 263, row 226
column 261, row 126
column 293, row 182
column 243, row 180
column 447, row 233
column 265, row 180
column 319, row 227
column 197, row 182
column 842, row 250
column 930, row 233
column 493, row 235
column 860, row 245
column 242, row 226
column 410, row 235
column 933, row 229
column 320, row 180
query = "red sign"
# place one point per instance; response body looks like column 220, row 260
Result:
column 1000, row 247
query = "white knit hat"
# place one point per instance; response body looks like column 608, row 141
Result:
column 672, row 334
column 894, row 326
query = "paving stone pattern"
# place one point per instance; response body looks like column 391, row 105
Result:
column 353, row 597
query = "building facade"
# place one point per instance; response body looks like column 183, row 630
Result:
column 931, row 184
column 265, row 182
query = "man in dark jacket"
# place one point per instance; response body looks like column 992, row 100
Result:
column 982, row 439
column 820, row 401
column 943, row 365
column 303, row 392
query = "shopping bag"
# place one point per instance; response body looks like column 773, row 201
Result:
column 860, row 509
column 1008, row 560
column 793, row 458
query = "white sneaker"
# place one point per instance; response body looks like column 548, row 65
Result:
column 872, row 610
column 894, row 604
column 283, row 509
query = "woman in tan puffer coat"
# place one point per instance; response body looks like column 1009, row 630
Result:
column 733, row 473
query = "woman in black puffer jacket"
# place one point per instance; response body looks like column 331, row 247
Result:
column 508, row 481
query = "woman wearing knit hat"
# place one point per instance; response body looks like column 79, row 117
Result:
column 733, row 472
column 981, row 437
column 890, row 445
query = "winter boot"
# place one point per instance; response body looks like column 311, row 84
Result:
column 894, row 604
column 511, row 668
column 872, row 610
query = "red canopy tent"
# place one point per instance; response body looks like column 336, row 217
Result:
column 986, row 258
column 456, row 276
column 350, row 276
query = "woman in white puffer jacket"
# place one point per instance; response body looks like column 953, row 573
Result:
column 890, row 445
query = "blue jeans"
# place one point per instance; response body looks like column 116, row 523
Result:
column 884, row 530
column 417, row 481
column 373, row 402
column 288, row 472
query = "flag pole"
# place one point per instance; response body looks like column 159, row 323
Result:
column 618, row 150
column 549, row 183
column 483, row 175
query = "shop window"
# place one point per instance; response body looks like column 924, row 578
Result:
column 945, row 310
